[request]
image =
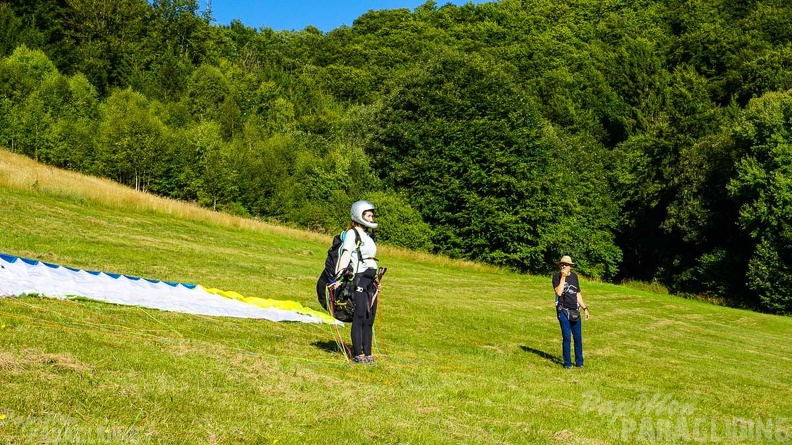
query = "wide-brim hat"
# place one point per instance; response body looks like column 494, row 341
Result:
column 566, row 259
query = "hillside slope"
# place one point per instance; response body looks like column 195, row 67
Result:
column 466, row 353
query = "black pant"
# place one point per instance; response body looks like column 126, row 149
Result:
column 363, row 318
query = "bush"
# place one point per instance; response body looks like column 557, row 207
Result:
column 400, row 224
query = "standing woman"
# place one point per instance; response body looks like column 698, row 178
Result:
column 569, row 298
column 363, row 264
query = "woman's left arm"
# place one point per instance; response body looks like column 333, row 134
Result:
column 582, row 304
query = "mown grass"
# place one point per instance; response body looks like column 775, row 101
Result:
column 466, row 353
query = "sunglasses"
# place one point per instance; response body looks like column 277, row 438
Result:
column 566, row 264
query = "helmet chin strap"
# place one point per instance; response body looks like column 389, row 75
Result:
column 367, row 229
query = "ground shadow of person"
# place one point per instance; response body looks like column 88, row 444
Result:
column 326, row 345
column 542, row 354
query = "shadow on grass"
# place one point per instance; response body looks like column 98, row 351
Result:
column 542, row 354
column 327, row 346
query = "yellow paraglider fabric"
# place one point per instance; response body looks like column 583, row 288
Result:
column 266, row 303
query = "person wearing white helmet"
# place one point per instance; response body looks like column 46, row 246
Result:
column 569, row 303
column 363, row 262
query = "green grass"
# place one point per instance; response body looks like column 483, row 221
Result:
column 466, row 353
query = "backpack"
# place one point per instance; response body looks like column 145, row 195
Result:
column 339, row 302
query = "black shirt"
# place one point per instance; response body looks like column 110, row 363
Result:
column 568, row 297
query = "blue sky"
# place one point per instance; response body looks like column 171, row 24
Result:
column 295, row 15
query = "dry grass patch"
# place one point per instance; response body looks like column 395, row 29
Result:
column 33, row 359
column 8, row 362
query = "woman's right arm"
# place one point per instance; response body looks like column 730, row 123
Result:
column 560, row 288
column 343, row 262
column 346, row 250
column 344, row 259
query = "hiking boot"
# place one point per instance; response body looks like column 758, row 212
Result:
column 369, row 359
column 359, row 359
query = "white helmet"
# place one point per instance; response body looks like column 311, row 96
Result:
column 358, row 209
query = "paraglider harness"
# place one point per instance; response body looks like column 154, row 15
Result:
column 340, row 302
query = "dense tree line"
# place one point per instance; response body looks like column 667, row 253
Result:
column 648, row 139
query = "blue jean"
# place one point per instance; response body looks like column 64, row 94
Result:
column 569, row 330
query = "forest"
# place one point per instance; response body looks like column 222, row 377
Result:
column 648, row 139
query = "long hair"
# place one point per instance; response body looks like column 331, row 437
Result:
column 371, row 233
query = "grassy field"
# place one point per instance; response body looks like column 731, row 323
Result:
column 467, row 354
